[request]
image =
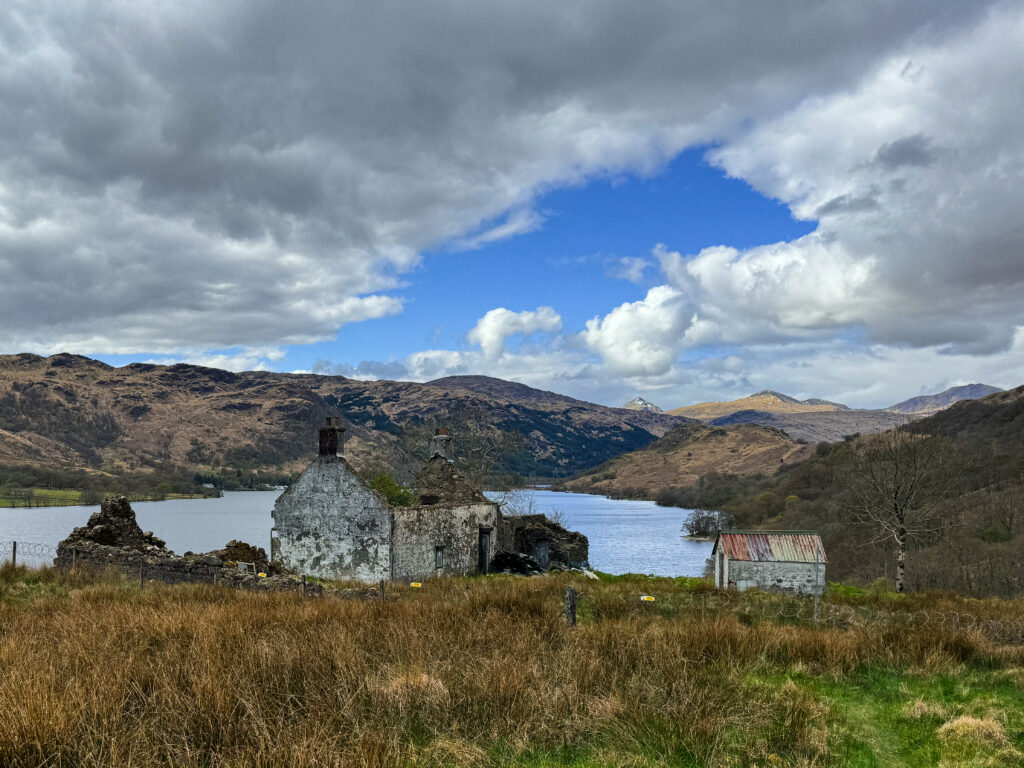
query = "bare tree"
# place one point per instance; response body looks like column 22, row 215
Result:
column 897, row 481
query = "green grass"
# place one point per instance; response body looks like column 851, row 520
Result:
column 67, row 497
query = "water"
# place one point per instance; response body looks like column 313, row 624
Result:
column 625, row 536
column 196, row 525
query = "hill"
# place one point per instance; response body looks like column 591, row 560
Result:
column 68, row 411
column 818, row 426
column 688, row 453
column 766, row 401
column 974, row 546
column 928, row 404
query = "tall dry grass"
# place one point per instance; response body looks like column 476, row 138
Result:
column 94, row 672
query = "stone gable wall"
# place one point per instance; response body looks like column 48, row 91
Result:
column 328, row 524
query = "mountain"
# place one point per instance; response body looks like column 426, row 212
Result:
column 639, row 404
column 767, row 401
column 818, row 426
column 684, row 455
column 74, row 412
column 929, row 404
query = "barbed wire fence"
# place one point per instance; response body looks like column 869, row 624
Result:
column 30, row 553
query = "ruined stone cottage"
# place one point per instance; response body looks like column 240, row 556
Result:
column 330, row 524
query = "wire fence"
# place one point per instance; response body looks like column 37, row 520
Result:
column 30, row 553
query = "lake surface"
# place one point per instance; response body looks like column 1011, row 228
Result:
column 625, row 536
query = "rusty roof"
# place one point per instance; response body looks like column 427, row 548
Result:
column 772, row 546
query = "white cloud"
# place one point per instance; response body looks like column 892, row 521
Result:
column 642, row 337
column 493, row 329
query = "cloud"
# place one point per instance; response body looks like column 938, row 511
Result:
column 641, row 337
column 493, row 329
column 251, row 173
column 631, row 268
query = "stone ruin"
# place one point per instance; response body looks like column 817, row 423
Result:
column 113, row 539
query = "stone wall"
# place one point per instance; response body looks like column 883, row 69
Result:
column 418, row 531
column 169, row 568
column 330, row 525
column 791, row 578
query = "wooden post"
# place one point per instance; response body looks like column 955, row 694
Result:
column 140, row 575
column 381, row 588
column 570, row 606
column 303, row 583
column 14, row 553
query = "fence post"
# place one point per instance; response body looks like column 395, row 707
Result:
column 815, row 608
column 303, row 583
column 381, row 588
column 570, row 606
column 14, row 553
column 140, row 575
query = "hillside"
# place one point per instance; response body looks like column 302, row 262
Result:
column 766, row 401
column 929, row 404
column 816, row 420
column 687, row 453
column 977, row 544
column 74, row 412
column 818, row 426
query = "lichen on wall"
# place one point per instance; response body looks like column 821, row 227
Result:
column 330, row 525
column 456, row 529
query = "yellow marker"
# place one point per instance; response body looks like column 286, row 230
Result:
column 262, row 575
column 647, row 598
column 415, row 585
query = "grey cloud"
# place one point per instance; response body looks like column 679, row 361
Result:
column 847, row 204
column 916, row 150
column 258, row 173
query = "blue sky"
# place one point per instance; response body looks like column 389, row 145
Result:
column 570, row 262
column 679, row 201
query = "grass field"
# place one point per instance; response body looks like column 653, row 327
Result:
column 485, row 672
column 66, row 497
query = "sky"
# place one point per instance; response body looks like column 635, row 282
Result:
column 685, row 201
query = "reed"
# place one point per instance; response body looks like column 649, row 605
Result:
column 96, row 672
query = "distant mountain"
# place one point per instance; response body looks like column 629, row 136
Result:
column 639, row 404
column 684, row 455
column 929, row 404
column 68, row 411
column 768, row 401
column 819, row 426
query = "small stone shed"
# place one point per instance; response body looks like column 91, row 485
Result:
column 778, row 561
column 330, row 524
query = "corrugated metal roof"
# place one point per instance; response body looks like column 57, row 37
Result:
column 772, row 546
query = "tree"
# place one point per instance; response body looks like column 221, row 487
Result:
column 897, row 481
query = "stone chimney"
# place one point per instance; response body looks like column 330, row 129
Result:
column 441, row 445
column 331, row 438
